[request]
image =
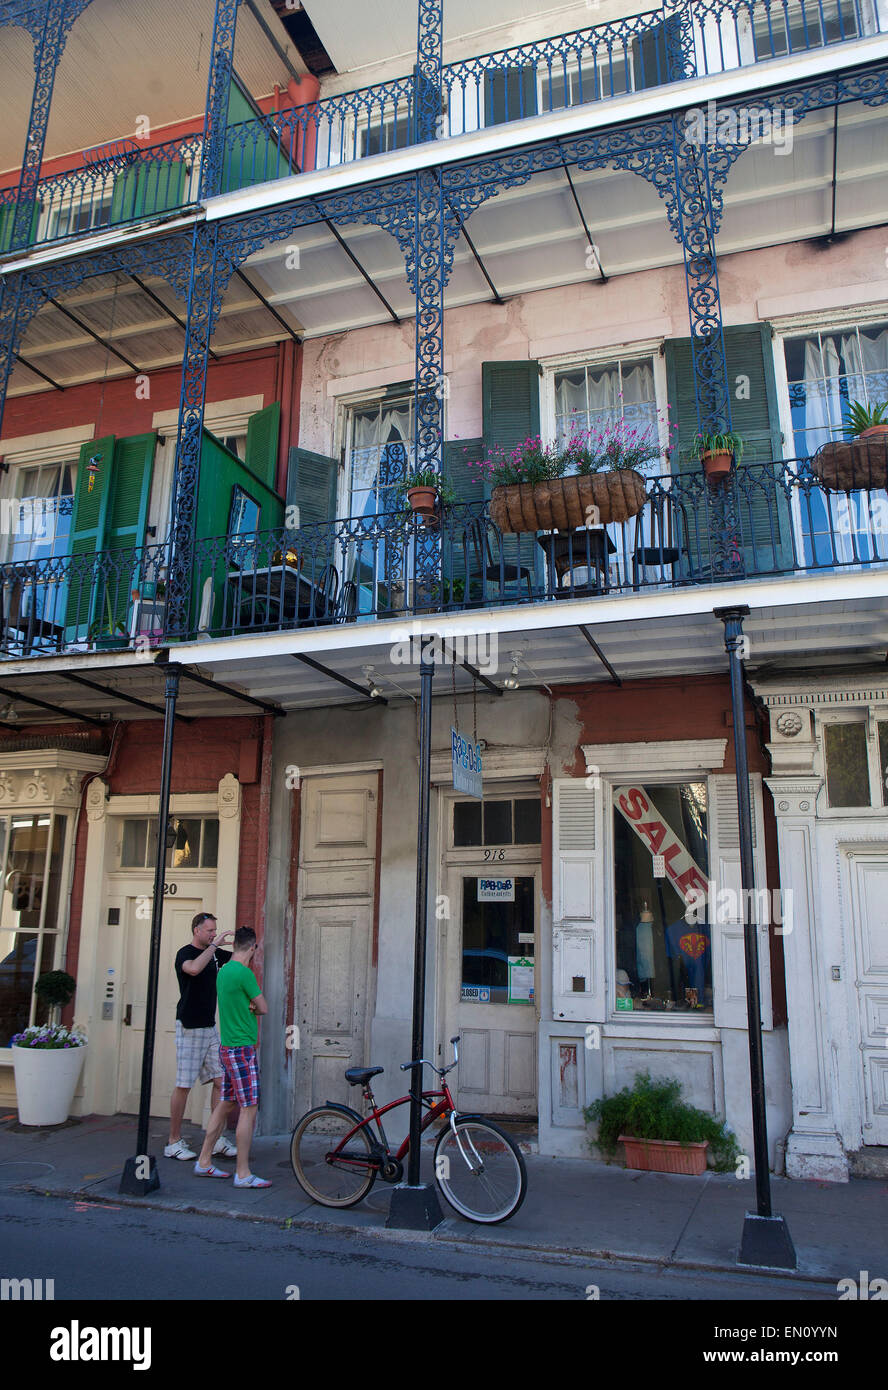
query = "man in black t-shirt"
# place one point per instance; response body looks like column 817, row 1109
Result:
column 197, row 1037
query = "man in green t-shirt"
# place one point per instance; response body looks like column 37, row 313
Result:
column 240, row 1001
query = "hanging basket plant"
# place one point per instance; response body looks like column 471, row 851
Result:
column 424, row 492
column 593, row 479
column 860, row 462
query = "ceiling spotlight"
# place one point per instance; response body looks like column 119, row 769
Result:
column 375, row 692
column 511, row 682
column 10, row 714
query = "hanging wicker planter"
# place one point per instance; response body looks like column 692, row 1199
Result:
column 562, row 504
column 858, row 465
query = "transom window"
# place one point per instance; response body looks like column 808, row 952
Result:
column 856, row 766
column 478, row 824
column 192, row 843
column 31, row 852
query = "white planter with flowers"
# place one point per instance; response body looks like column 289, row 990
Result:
column 47, row 1062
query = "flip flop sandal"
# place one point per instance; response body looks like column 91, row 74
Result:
column 251, row 1181
column 210, row 1172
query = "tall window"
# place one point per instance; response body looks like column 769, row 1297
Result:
column 31, row 850
column 37, row 519
column 597, row 395
column 380, row 449
column 781, row 29
column 827, row 372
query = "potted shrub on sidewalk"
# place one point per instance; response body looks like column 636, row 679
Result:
column 47, row 1058
column 660, row 1132
column 592, row 479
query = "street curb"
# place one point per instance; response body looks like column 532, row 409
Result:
column 552, row 1254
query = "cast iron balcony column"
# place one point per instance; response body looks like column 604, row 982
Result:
column 217, row 97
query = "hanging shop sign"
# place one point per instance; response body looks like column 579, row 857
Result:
column 465, row 758
column 496, row 890
column 686, row 876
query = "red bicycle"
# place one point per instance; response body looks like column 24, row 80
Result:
column 337, row 1156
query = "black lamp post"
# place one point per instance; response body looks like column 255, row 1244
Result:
column 766, row 1241
column 140, row 1172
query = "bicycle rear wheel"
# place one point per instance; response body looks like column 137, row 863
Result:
column 333, row 1181
column 480, row 1171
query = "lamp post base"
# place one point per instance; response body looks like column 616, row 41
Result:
column 414, row 1208
column 139, row 1176
column 766, row 1243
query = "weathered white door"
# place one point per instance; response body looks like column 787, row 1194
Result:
column 334, row 932
column 868, row 871
column 175, row 933
column 491, row 985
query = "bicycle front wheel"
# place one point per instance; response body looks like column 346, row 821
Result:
column 480, row 1171
column 331, row 1172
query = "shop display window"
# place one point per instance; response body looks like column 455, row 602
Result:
column 661, row 877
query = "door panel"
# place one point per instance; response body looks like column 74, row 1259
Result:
column 869, row 894
column 175, row 933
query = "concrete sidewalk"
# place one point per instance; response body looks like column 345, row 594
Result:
column 573, row 1206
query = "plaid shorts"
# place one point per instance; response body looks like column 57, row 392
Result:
column 197, row 1055
column 240, row 1081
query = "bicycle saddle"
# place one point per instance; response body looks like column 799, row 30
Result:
column 359, row 1076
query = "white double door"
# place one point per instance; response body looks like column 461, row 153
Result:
column 489, row 949
column 867, row 871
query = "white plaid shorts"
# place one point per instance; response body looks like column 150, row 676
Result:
column 197, row 1055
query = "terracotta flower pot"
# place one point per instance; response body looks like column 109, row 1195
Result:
column 424, row 501
column 854, row 465
column 664, row 1155
column 562, row 504
column 716, row 465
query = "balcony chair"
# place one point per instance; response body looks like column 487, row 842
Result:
column 480, row 560
column 33, row 630
column 322, row 607
column 669, row 540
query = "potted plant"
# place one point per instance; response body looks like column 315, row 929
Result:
column 860, row 462
column 660, row 1132
column 424, row 491
column 47, row 1058
column 718, row 452
column 593, row 478
column 108, row 632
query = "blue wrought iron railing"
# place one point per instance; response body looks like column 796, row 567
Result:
column 768, row 519
column 123, row 182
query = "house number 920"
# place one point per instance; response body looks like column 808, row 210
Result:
column 490, row 854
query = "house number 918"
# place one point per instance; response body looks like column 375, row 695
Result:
column 490, row 854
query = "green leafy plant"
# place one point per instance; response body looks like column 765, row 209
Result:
column 654, row 1110
column 109, row 626
column 863, row 417
column 726, row 442
column 423, row 477
column 55, row 988
column 604, row 448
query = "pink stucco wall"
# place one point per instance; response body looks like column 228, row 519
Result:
column 647, row 306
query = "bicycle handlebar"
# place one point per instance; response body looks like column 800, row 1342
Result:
column 439, row 1071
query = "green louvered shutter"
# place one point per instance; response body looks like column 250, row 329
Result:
column 469, row 487
column 87, row 535
column 510, row 94
column 148, row 189
column 510, row 395
column 262, row 443
column 311, row 486
column 7, row 222
column 252, row 150
column 763, row 508
column 125, row 523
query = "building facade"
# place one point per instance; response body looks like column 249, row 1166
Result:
column 233, row 336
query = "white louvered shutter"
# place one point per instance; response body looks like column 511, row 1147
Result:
column 578, row 985
column 726, row 906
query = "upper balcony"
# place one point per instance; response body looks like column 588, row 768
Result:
column 132, row 178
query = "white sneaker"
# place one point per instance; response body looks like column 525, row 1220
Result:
column 179, row 1150
column 224, row 1149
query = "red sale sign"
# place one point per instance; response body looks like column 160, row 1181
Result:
column 686, row 877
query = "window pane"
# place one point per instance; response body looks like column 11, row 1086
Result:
column 883, row 761
column 18, row 956
column 185, row 851
column 491, row 932
column 663, row 960
column 135, row 836
column 847, row 770
column 210, row 851
column 527, row 822
column 23, row 885
column 497, row 822
column 467, row 823
column 54, row 879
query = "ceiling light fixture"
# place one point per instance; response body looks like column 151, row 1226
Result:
column 375, row 692
column 10, row 714
column 511, row 681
